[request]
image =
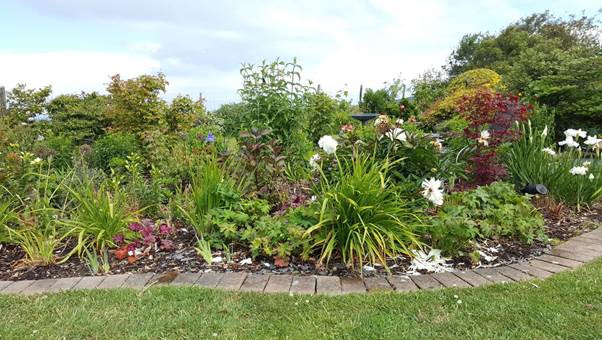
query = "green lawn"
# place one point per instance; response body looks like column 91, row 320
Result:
column 568, row 305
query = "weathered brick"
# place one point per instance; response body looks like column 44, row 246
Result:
column 402, row 283
column 232, row 280
column 426, row 282
column 472, row 278
column 450, row 280
column 330, row 285
column 377, row 283
column 279, row 284
column 305, row 284
column 255, row 283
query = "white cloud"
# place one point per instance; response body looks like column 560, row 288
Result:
column 145, row 47
column 71, row 71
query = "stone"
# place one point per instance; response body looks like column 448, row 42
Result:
column 16, row 287
column 472, row 278
column 330, row 285
column 533, row 271
column 402, row 283
column 492, row 274
column 514, row 274
column 426, row 282
column 559, row 261
column 232, row 280
column 186, row 279
column 255, row 283
column 209, row 279
column 39, row 287
column 279, row 284
column 450, row 280
column 138, row 281
column 113, row 281
column 303, row 285
column 89, row 282
column 377, row 283
column 64, row 284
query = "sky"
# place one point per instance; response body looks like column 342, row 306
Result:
column 76, row 45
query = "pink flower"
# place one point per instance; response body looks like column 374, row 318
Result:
column 119, row 239
column 135, row 226
column 347, row 128
column 165, row 229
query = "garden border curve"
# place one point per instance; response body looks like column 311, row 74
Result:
column 565, row 256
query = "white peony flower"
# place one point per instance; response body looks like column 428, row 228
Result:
column 398, row 134
column 432, row 191
column 593, row 141
column 399, row 121
column 36, row 161
column 591, row 177
column 575, row 133
column 484, row 138
column 382, row 119
column 549, row 151
column 328, row 144
column 569, row 142
column 578, row 170
column 431, row 262
column 313, row 161
column 586, row 163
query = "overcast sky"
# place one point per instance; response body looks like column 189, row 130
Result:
column 76, row 45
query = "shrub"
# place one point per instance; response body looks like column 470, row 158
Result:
column 361, row 217
column 490, row 124
column 113, row 149
column 232, row 118
column 488, row 211
column 182, row 113
column 59, row 148
column 78, row 117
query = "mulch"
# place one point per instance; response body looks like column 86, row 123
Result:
column 561, row 224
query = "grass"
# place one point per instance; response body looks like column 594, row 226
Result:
column 568, row 305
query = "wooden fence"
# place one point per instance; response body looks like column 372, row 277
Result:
column 2, row 101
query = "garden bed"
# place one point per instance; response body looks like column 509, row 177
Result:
column 185, row 259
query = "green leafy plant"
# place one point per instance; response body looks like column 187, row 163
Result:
column 100, row 215
column 487, row 211
column 203, row 248
column 361, row 217
column 97, row 264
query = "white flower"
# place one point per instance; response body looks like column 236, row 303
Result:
column 40, row 138
column 586, row 163
column 217, row 259
column 328, row 144
column 431, row 262
column 549, row 151
column 36, row 160
column 432, row 191
column 575, row 133
column 569, row 142
column 593, row 141
column 398, row 134
column 484, row 138
column 544, row 132
column 591, row 177
column 578, row 170
column 437, row 144
column 382, row 119
column 313, row 161
column 399, row 121
column 246, row 261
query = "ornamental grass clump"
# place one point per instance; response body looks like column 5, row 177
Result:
column 361, row 217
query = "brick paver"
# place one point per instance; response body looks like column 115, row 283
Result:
column 426, row 282
column 450, row 280
column 560, row 261
column 352, row 285
column 278, row 284
column 232, row 280
column 533, row 271
column 330, row 285
column 254, row 283
column 138, row 281
column 39, row 287
column 186, row 279
column 16, row 287
column 64, row 284
column 492, row 274
column 113, row 281
column 89, row 282
column 514, row 274
column 209, row 279
column 402, row 283
column 303, row 285
column 472, row 278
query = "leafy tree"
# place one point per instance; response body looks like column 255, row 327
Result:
column 427, row 88
column 183, row 112
column 232, row 117
column 24, row 103
column 575, row 91
column 543, row 57
column 322, row 115
column 385, row 100
column 79, row 117
column 135, row 104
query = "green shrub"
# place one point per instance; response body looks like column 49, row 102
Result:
column 361, row 217
column 232, row 118
column 113, row 149
column 59, row 148
column 488, row 211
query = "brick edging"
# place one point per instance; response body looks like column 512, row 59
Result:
column 566, row 256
